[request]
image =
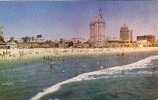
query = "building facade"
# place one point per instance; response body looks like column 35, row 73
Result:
column 149, row 38
column 97, row 31
column 146, row 40
column 126, row 34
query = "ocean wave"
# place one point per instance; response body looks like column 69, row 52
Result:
column 104, row 73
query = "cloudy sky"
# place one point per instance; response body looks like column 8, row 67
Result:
column 67, row 19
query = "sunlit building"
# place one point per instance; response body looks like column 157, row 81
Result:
column 149, row 38
column 146, row 40
column 97, row 31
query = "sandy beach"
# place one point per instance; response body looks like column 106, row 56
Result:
column 8, row 54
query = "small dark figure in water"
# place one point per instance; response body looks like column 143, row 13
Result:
column 51, row 66
column 122, row 54
column 122, row 72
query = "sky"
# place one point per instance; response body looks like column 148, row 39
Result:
column 68, row 19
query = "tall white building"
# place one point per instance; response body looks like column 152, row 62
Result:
column 97, row 31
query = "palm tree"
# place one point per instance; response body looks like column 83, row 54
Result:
column 26, row 39
column 39, row 36
column 1, row 30
column 1, row 34
column 1, row 39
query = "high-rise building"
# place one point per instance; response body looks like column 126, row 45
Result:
column 97, row 30
column 125, row 33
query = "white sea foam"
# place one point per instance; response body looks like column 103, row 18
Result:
column 90, row 75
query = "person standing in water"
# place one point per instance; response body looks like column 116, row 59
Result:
column 51, row 65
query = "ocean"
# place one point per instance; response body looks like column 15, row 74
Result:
column 26, row 81
column 122, row 88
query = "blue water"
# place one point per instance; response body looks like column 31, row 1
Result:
column 124, row 88
column 131, row 85
column 22, row 81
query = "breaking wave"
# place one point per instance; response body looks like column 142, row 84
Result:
column 104, row 73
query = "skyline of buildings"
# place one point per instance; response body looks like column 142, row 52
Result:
column 97, row 33
column 66, row 19
column 110, row 24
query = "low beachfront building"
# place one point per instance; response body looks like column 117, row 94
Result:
column 119, row 43
column 146, row 40
column 11, row 44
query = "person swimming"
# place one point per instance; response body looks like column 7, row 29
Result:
column 51, row 65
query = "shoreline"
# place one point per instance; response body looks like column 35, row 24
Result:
column 15, row 54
